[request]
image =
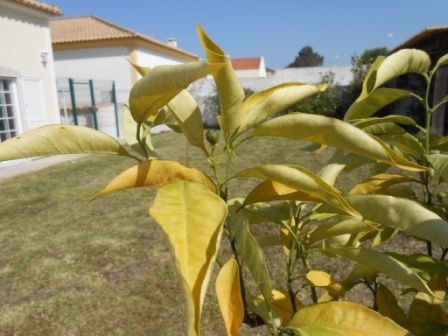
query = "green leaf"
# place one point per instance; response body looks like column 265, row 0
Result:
column 231, row 93
column 60, row 139
column 421, row 263
column 346, row 318
column 162, row 84
column 402, row 62
column 266, row 103
column 398, row 119
column 382, row 263
column 405, row 142
column 441, row 62
column 334, row 133
column 440, row 164
column 374, row 102
column 384, row 128
column 405, row 215
column 156, row 173
column 297, row 178
column 252, row 254
column 188, row 117
column 192, row 218
column 228, row 292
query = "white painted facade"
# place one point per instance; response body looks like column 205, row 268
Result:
column 26, row 70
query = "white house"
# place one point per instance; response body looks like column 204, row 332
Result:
column 28, row 96
column 91, row 48
column 251, row 67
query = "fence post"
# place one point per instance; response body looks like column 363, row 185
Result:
column 114, row 100
column 92, row 98
column 72, row 96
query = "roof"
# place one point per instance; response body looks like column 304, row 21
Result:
column 423, row 35
column 246, row 63
column 90, row 28
column 50, row 9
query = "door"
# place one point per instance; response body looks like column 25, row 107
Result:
column 34, row 105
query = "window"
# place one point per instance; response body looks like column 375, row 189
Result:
column 8, row 116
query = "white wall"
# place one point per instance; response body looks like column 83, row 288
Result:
column 97, row 64
column 24, row 35
column 148, row 58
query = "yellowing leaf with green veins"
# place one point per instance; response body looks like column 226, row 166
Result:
column 402, row 62
column 382, row 263
column 162, row 84
column 266, row 103
column 188, row 117
column 60, row 139
column 228, row 292
column 405, row 215
column 230, row 91
column 252, row 255
column 335, row 133
column 166, row 117
column 192, row 218
column 440, row 164
column 300, row 179
column 374, row 102
column 346, row 318
column 378, row 182
column 129, row 128
column 340, row 227
column 428, row 308
column 156, row 173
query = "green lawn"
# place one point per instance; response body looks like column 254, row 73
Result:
column 69, row 266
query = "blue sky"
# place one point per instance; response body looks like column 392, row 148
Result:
column 277, row 30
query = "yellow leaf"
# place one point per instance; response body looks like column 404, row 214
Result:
column 378, row 182
column 319, row 279
column 281, row 302
column 141, row 70
column 192, row 218
column 228, row 292
column 60, row 139
column 347, row 318
column 335, row 133
column 286, row 236
column 426, row 308
column 266, row 103
column 388, row 306
column 310, row 186
column 231, row 93
column 162, row 84
column 188, row 117
column 156, row 173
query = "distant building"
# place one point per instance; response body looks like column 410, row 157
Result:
column 433, row 40
column 252, row 67
column 28, row 96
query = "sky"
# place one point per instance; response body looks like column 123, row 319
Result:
column 276, row 30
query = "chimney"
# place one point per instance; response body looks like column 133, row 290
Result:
column 172, row 42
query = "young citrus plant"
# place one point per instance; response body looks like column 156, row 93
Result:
column 196, row 211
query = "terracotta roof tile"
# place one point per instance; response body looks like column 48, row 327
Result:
column 92, row 28
column 246, row 63
column 50, row 9
column 86, row 28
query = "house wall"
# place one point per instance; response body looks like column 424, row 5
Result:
column 97, row 64
column 25, row 34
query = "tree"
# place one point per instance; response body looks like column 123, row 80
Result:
column 307, row 57
column 360, row 67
